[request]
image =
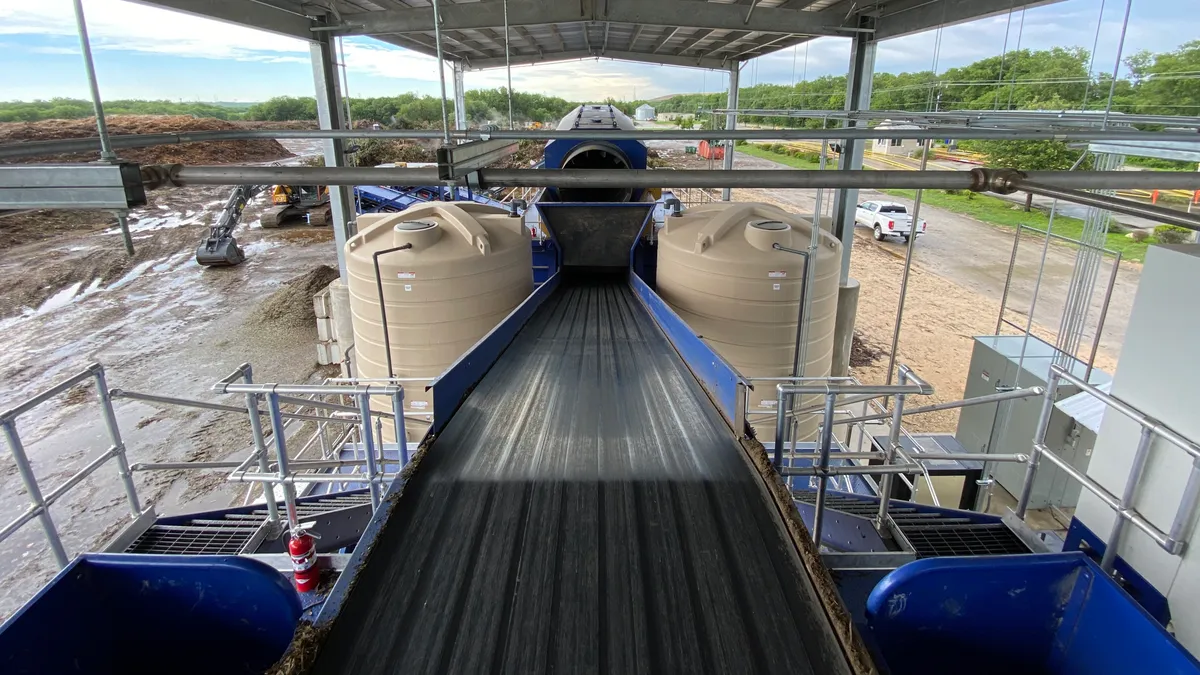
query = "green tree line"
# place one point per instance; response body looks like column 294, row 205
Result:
column 1051, row 79
column 69, row 108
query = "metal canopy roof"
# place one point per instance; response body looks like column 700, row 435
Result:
column 696, row 33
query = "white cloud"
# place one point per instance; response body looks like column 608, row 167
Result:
column 123, row 26
column 369, row 57
column 583, row 79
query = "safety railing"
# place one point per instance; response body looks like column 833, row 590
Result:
column 39, row 504
column 1030, row 314
column 306, row 404
column 893, row 460
column 289, row 476
column 1173, row 541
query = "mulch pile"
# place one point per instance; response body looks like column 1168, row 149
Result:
column 528, row 154
column 224, row 152
column 292, row 305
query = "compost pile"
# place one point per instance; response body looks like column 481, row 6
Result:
column 527, row 155
column 223, row 152
column 376, row 151
column 292, row 305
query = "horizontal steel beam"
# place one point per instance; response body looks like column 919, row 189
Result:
column 71, row 186
column 125, row 141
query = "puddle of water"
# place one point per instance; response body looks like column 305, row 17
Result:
column 260, row 246
column 131, row 274
column 59, row 299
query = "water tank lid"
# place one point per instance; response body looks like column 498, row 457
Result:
column 414, row 225
column 772, row 225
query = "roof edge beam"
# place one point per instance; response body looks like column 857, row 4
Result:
column 551, row 57
column 913, row 16
column 690, row 14
column 260, row 16
column 470, row 16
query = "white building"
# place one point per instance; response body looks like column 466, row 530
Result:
column 644, row 113
column 895, row 146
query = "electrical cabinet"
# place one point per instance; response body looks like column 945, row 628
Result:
column 1001, row 362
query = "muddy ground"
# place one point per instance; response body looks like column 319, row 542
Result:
column 159, row 323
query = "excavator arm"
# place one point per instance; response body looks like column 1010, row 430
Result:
column 220, row 249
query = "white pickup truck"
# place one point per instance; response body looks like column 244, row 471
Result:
column 886, row 218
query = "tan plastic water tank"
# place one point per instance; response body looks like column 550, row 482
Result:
column 468, row 266
column 718, row 270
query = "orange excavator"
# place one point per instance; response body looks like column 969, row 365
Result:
column 290, row 202
column 296, row 201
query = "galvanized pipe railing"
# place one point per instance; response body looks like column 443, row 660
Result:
column 951, row 405
column 285, row 473
column 40, row 503
column 831, row 390
column 1173, row 541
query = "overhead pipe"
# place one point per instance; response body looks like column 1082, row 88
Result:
column 126, row 141
column 998, row 180
column 1148, row 211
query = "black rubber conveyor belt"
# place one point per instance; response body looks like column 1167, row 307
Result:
column 585, row 511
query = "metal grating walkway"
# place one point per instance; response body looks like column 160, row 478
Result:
column 932, row 533
column 226, row 533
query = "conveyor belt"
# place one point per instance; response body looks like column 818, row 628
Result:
column 584, row 511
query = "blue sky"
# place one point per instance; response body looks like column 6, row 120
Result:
column 142, row 52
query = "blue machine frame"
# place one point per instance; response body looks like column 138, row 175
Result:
column 103, row 609
column 724, row 384
column 1047, row 613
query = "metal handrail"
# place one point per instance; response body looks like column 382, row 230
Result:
column 275, row 395
column 39, row 506
column 1174, row 541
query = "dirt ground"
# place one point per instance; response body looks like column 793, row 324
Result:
column 159, row 323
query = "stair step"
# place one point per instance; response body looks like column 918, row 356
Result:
column 959, row 525
column 231, row 524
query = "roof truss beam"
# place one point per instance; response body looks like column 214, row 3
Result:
column 551, row 57
column 690, row 14
column 906, row 17
column 697, row 38
column 669, row 13
column 474, row 15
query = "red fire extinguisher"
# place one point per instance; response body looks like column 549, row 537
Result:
column 303, row 550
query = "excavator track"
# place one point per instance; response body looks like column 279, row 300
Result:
column 275, row 216
column 320, row 216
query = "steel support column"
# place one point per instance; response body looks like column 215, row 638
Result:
column 731, row 122
column 331, row 115
column 460, row 97
column 858, row 97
